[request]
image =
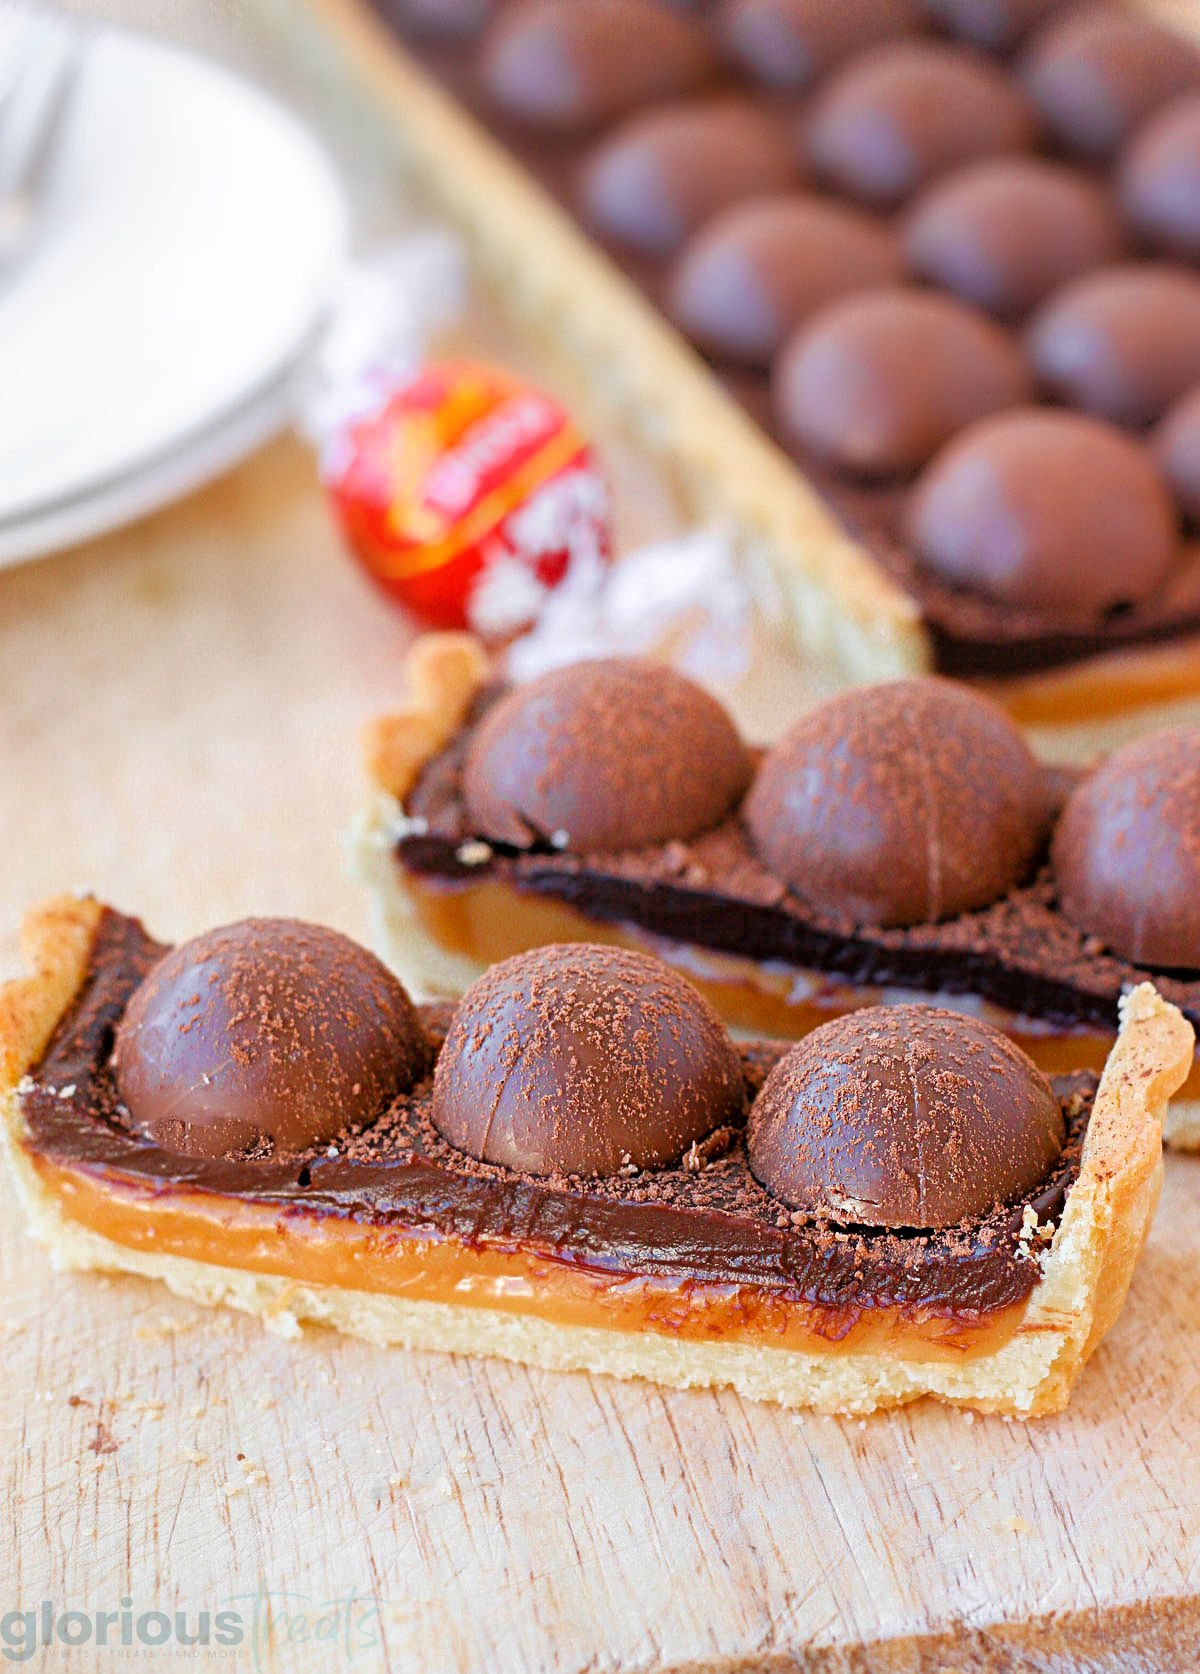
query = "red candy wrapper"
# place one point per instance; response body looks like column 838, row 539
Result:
column 468, row 496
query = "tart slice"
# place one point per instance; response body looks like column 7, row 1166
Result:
column 835, row 262
column 575, row 1167
column 899, row 842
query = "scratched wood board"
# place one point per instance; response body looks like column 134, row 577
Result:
column 177, row 711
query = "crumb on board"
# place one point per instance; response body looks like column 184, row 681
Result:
column 165, row 1327
column 252, row 1476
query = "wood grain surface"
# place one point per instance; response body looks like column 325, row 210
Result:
column 177, row 711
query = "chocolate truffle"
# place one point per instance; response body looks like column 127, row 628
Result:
column 758, row 270
column 1177, row 449
column 1046, row 510
column 1160, row 180
column 439, row 20
column 568, row 66
column 876, row 383
column 1127, row 851
column 575, row 1059
column 667, row 170
column 996, row 25
column 900, row 115
column 1123, row 343
column 266, row 1032
column 904, row 1116
column 789, row 43
column 1096, row 71
column 606, row 754
column 1005, row 233
column 899, row 804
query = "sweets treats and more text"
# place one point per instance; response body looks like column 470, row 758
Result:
column 576, row 1166
column 945, row 255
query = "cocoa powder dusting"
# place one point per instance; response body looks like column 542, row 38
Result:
column 713, row 1223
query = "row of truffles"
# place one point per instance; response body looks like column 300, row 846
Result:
column 831, row 192
column 269, row 1037
column 891, row 805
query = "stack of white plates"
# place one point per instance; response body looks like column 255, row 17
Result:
column 154, row 333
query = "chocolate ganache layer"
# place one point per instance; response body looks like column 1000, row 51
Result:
column 1021, row 952
column 883, row 226
column 707, row 1220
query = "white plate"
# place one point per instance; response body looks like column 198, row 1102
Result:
column 122, row 499
column 188, row 254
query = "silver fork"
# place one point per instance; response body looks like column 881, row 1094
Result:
column 41, row 53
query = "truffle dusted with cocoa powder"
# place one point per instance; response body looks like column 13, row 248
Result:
column 996, row 25
column 667, row 170
column 1177, row 450
column 442, row 21
column 900, row 115
column 1006, row 232
column 1127, row 851
column 1097, row 70
column 756, row 271
column 1160, row 180
column 1123, row 342
column 566, row 67
column 1047, row 510
column 874, row 384
column 899, row 804
column 265, row 1032
column 576, row 1059
column 904, row 1116
column 606, row 754
column 790, row 43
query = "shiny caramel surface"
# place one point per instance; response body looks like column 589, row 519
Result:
column 320, row 1250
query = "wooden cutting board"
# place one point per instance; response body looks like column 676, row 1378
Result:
column 176, row 729
column 177, row 711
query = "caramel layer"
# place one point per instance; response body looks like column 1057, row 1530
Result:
column 391, row 1261
column 1102, row 687
column 492, row 919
